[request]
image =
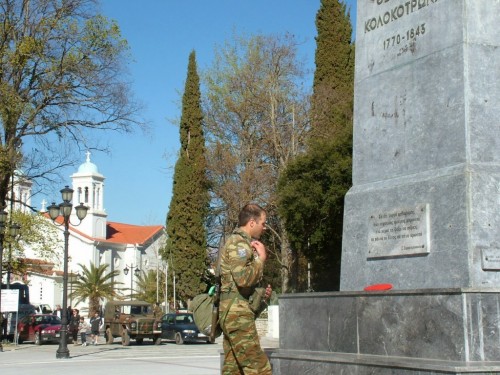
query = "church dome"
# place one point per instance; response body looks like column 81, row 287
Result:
column 88, row 167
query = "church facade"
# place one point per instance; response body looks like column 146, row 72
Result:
column 96, row 240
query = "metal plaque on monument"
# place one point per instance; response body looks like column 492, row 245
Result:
column 423, row 212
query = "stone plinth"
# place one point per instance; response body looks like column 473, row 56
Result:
column 441, row 331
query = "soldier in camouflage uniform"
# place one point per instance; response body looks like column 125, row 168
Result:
column 157, row 311
column 242, row 265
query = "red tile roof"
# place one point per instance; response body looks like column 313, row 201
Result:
column 121, row 233
column 40, row 266
column 128, row 233
column 37, row 262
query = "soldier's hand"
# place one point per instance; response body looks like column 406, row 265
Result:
column 260, row 249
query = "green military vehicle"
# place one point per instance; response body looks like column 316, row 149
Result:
column 131, row 320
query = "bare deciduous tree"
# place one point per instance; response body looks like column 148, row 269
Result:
column 256, row 122
column 60, row 78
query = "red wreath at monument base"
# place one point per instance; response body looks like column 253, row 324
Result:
column 376, row 287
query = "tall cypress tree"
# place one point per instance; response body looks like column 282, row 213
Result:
column 313, row 186
column 186, row 249
column 333, row 86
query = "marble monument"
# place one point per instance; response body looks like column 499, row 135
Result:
column 423, row 211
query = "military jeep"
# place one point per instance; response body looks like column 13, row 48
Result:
column 131, row 320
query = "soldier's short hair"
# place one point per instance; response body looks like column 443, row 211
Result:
column 248, row 212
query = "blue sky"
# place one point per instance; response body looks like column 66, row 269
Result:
column 161, row 34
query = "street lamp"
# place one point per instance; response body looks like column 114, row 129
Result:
column 137, row 272
column 13, row 231
column 72, row 281
column 64, row 209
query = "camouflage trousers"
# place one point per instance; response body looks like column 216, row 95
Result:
column 242, row 352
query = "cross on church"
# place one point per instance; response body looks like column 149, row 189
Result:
column 44, row 203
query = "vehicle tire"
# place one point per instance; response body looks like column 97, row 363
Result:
column 125, row 338
column 38, row 339
column 109, row 337
column 178, row 339
column 139, row 341
column 157, row 340
column 19, row 339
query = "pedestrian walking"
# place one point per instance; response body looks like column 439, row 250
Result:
column 74, row 323
column 157, row 312
column 69, row 312
column 96, row 323
column 3, row 321
column 83, row 328
column 58, row 311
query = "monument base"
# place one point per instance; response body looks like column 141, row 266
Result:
column 297, row 362
column 435, row 331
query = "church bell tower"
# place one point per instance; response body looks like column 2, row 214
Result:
column 88, row 186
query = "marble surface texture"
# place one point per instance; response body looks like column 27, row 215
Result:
column 426, row 132
column 446, row 329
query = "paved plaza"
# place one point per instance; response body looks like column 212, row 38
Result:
column 199, row 359
column 188, row 359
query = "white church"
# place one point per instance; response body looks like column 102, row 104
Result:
column 95, row 240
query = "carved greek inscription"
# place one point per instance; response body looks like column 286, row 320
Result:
column 404, row 40
column 395, row 13
column 401, row 232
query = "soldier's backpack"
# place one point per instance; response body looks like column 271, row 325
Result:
column 205, row 307
column 202, row 308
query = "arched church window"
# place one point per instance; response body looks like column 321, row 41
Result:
column 86, row 194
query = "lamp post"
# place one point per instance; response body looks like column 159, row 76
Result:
column 167, row 303
column 9, row 260
column 13, row 231
column 72, row 281
column 136, row 273
column 64, row 209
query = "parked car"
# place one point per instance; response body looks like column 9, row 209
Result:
column 42, row 308
column 39, row 328
column 14, row 318
column 181, row 328
column 131, row 320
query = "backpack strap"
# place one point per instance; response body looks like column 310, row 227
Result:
column 216, row 301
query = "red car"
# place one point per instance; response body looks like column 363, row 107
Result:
column 39, row 328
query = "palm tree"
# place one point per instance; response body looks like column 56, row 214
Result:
column 95, row 284
column 147, row 286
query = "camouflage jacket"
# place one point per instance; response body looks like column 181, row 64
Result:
column 240, row 268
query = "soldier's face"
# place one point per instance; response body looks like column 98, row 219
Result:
column 259, row 226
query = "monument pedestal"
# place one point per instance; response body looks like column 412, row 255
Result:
column 434, row 331
column 423, row 211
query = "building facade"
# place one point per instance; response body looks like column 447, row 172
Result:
column 96, row 240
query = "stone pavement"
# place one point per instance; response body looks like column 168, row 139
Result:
column 199, row 359
column 195, row 359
